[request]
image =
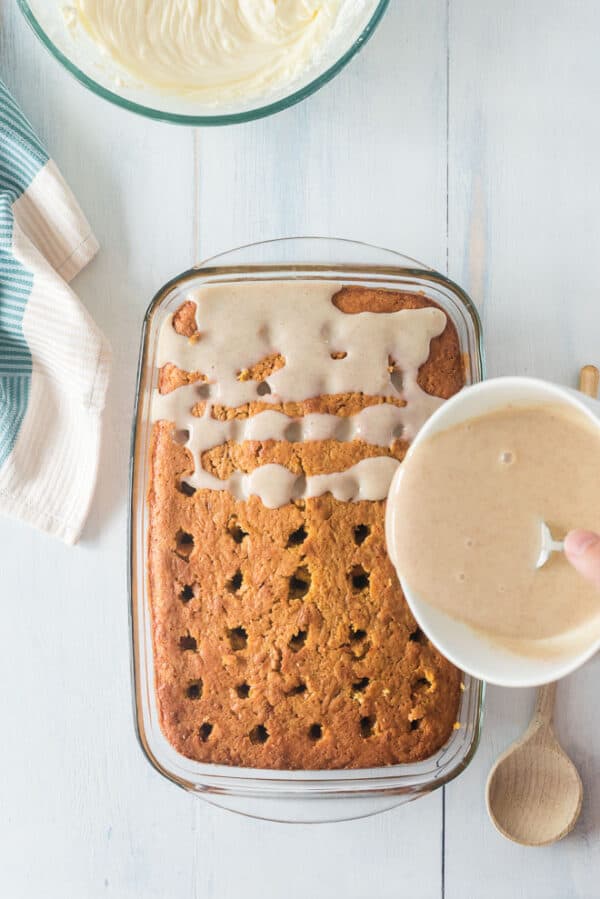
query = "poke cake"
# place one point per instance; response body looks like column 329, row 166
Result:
column 281, row 636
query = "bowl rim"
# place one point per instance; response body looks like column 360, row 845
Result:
column 258, row 112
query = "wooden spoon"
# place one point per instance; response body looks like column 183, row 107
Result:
column 534, row 792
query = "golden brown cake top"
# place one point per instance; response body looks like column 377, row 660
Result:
column 281, row 636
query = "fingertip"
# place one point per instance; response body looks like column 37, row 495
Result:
column 578, row 542
column 582, row 549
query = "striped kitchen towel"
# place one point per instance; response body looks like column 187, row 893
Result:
column 54, row 362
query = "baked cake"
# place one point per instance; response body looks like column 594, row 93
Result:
column 281, row 635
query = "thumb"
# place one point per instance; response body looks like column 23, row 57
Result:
column 582, row 549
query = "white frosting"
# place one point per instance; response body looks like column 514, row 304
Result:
column 241, row 324
column 216, row 49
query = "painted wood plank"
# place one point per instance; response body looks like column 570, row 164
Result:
column 365, row 159
column 524, row 230
column 83, row 814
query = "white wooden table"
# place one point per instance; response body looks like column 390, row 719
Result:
column 467, row 135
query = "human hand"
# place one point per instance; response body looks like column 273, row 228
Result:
column 582, row 549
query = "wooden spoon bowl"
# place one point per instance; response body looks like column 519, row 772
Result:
column 534, row 792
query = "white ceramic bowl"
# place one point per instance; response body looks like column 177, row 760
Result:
column 461, row 644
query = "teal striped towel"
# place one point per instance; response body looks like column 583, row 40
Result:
column 54, row 362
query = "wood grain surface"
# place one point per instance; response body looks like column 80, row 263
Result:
column 465, row 134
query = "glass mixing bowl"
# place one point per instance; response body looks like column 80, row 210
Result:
column 82, row 58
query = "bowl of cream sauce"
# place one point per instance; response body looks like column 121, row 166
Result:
column 463, row 529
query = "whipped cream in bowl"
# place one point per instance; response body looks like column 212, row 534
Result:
column 204, row 61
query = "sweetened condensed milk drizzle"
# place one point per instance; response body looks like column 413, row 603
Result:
column 325, row 351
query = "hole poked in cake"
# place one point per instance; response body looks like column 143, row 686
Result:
column 237, row 533
column 344, row 430
column 181, row 436
column 359, row 579
column 184, row 544
column 186, row 593
column 238, row 638
column 361, row 532
column 315, row 732
column 194, row 689
column 417, row 636
column 298, row 690
column 259, row 734
column 293, row 432
column 367, row 726
column 185, row 488
column 297, row 537
column 298, row 640
column 202, row 391
column 205, row 731
column 359, row 645
column 397, row 380
column 415, row 724
column 299, row 583
column 357, row 634
column 361, row 685
column 299, row 487
column 243, row 690
column 235, row 582
column 421, row 685
column 187, row 643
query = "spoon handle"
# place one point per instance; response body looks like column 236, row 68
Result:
column 589, row 378
column 544, row 706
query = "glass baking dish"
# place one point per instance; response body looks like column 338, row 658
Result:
column 288, row 795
